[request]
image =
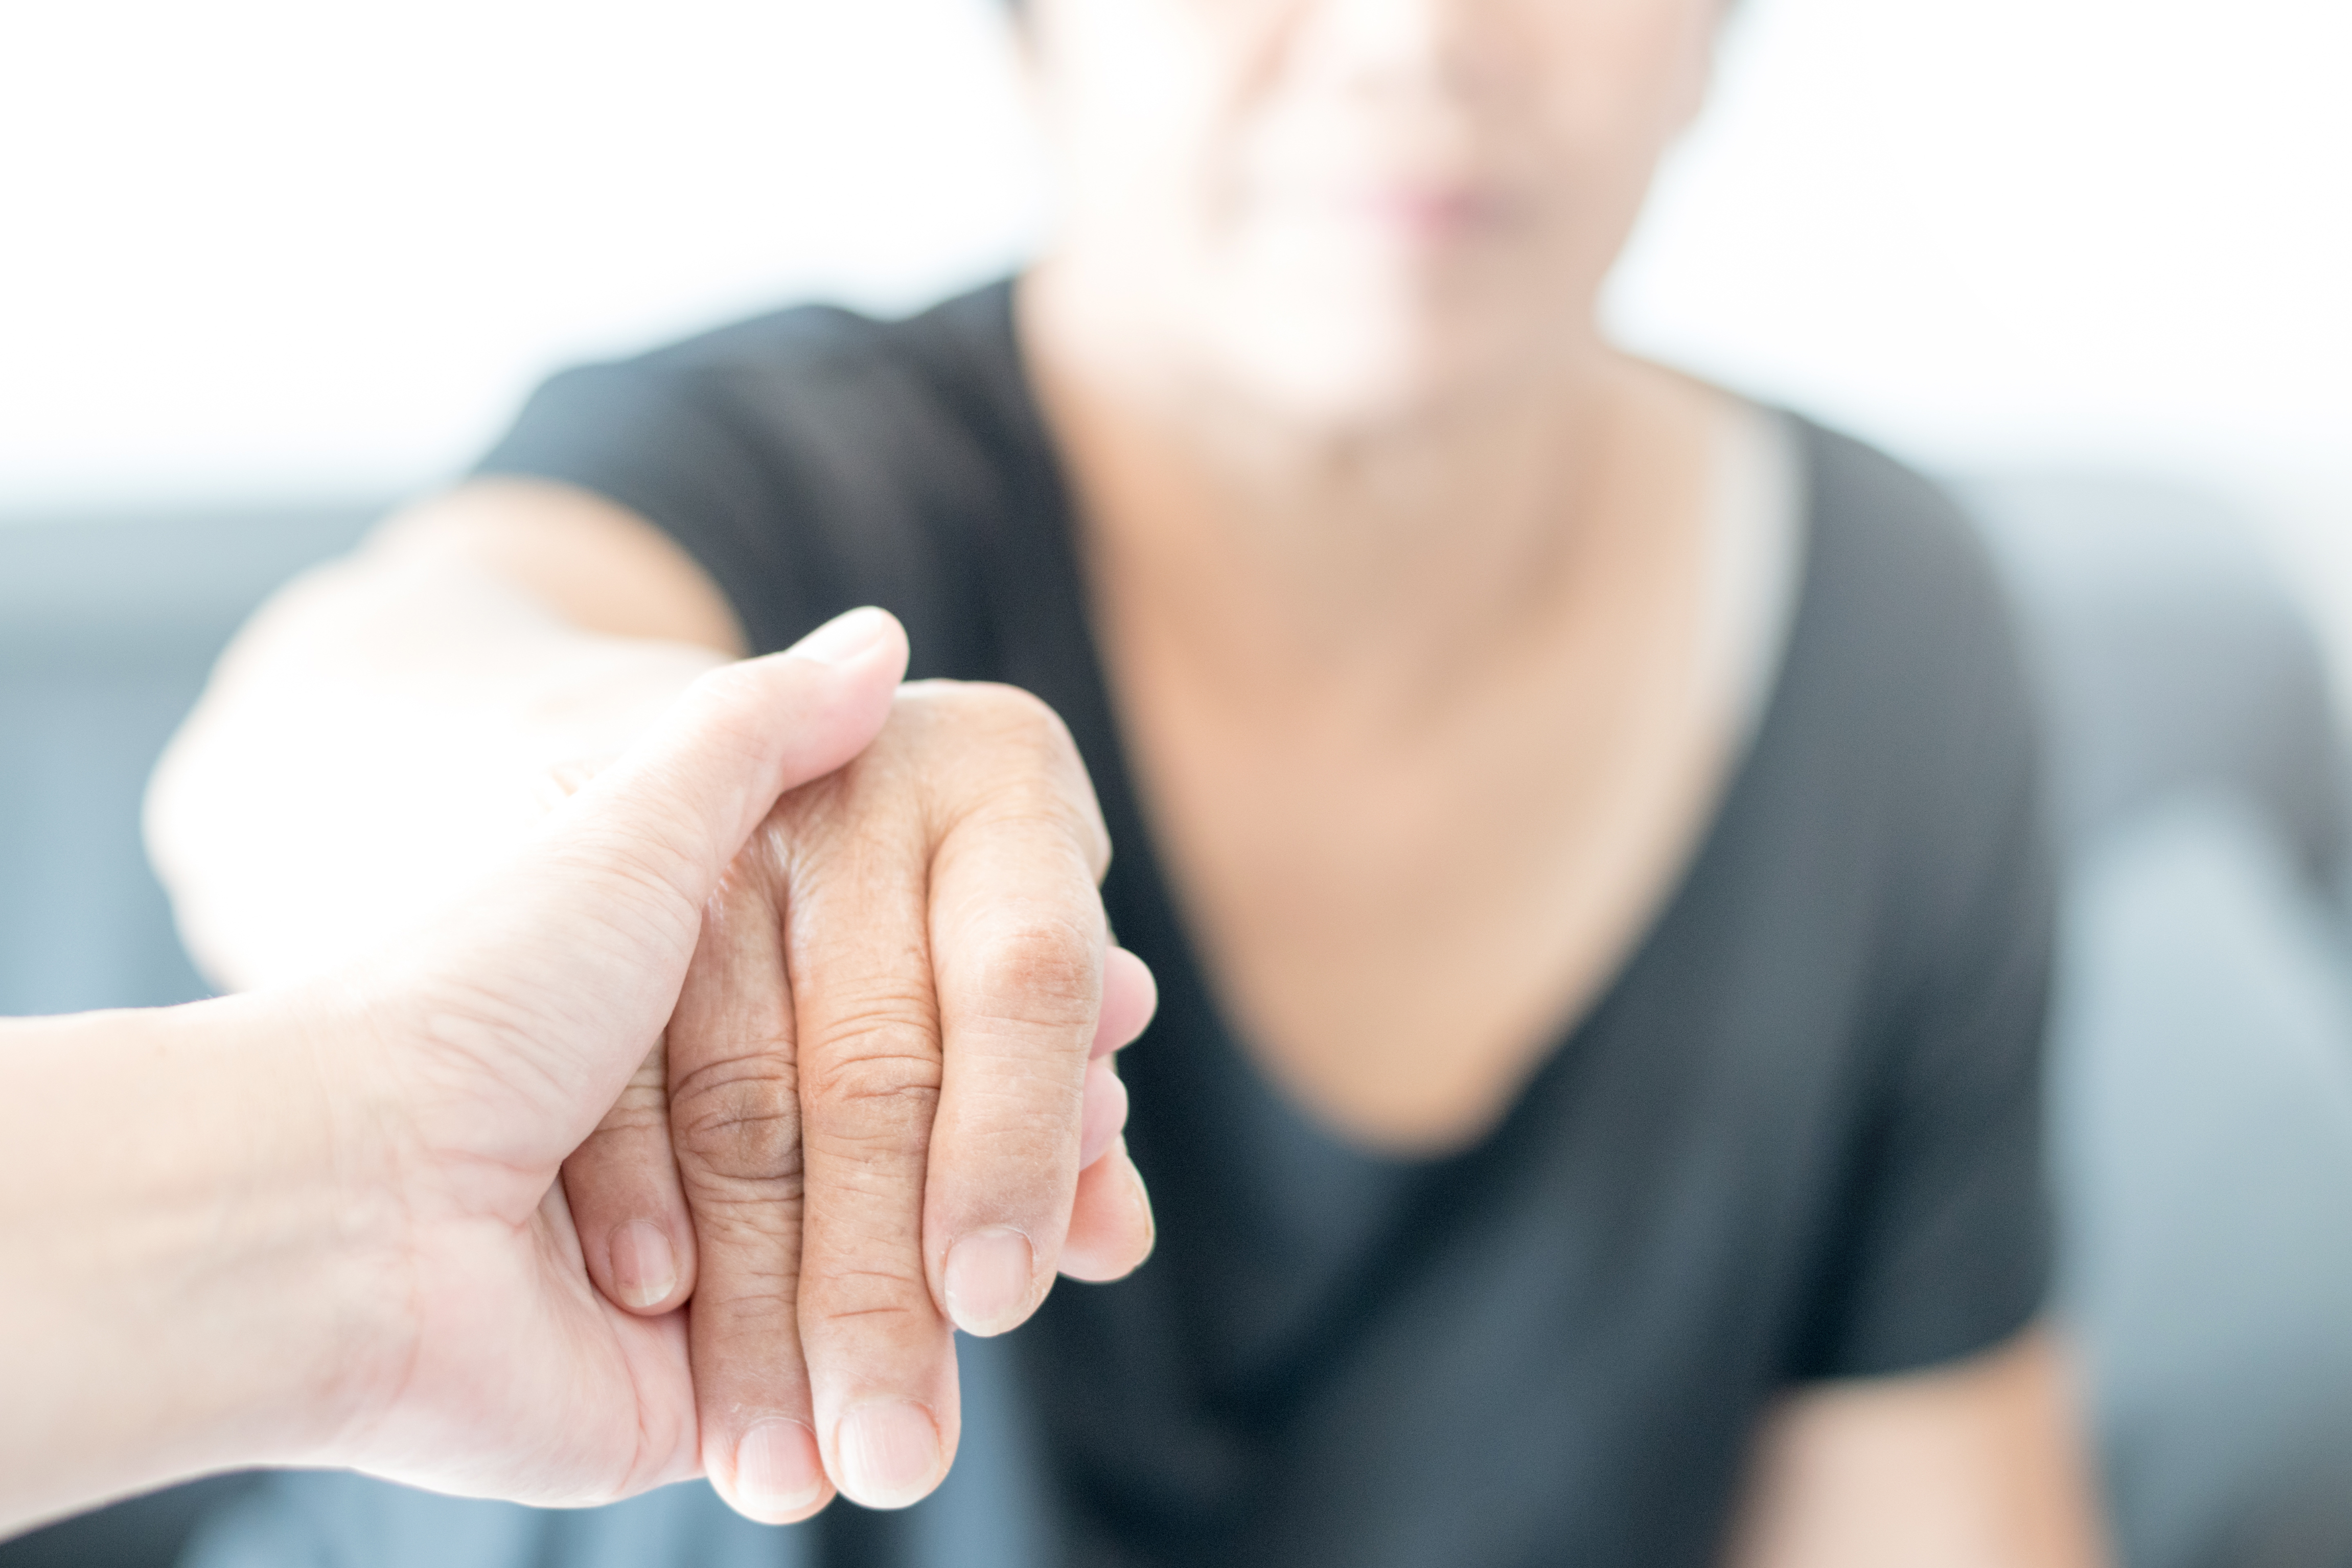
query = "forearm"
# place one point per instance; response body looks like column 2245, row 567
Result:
column 1979, row 1465
column 383, row 729
column 194, row 1282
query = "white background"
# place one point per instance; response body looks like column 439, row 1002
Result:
column 257, row 249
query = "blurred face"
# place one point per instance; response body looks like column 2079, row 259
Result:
column 1352, row 209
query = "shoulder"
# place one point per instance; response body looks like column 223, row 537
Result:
column 1904, row 616
column 763, row 389
column 809, row 460
column 1907, row 723
column 933, row 374
column 827, row 339
column 1911, row 878
column 1904, row 564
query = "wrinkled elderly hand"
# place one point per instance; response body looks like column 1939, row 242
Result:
column 886, row 1103
column 327, row 1224
column 458, row 1071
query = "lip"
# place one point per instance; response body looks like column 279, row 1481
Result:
column 1431, row 210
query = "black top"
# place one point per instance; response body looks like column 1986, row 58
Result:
column 1797, row 1138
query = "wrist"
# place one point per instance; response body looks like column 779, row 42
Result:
column 210, row 1263
column 319, row 1245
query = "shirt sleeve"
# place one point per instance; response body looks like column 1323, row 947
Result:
column 663, row 443
column 1946, row 1245
column 1952, row 1247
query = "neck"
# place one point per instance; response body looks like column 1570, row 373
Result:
column 1408, row 544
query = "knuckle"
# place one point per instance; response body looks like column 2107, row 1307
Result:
column 887, row 1016
column 739, row 1121
column 1040, row 969
column 884, row 1089
column 1031, row 739
column 865, row 1293
column 989, row 711
column 959, row 750
column 1013, row 713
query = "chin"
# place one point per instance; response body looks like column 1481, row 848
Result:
column 1365, row 353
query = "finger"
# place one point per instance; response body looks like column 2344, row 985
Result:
column 881, row 1359
column 623, row 1185
column 1111, row 1229
column 734, row 1113
column 1105, row 1116
column 681, row 804
column 1019, row 950
column 1130, row 997
column 595, row 919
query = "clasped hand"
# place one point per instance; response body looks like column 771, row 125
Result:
column 782, row 1049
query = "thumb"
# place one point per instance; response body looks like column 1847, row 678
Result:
column 564, row 966
column 671, row 812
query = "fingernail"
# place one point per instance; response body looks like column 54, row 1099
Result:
column 777, row 1471
column 644, row 1267
column 889, row 1453
column 843, row 637
column 989, row 1277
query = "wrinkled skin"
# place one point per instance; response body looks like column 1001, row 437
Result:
column 895, row 1036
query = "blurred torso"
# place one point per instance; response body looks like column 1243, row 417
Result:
column 1419, row 776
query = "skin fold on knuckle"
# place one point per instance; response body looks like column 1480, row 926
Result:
column 873, row 1105
column 739, row 1121
column 865, row 1299
column 1035, row 973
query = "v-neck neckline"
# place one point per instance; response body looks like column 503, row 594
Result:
column 1035, row 563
